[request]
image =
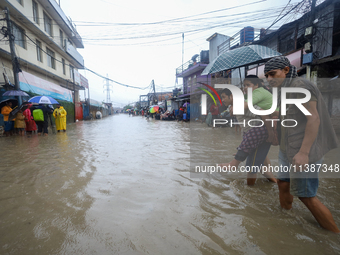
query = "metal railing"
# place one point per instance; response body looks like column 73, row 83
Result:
column 187, row 65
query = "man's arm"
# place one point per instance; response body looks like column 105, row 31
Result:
column 311, row 132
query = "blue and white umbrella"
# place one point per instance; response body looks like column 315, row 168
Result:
column 42, row 100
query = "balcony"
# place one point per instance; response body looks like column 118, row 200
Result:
column 192, row 66
column 74, row 54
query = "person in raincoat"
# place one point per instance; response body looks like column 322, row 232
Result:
column 9, row 125
column 19, row 123
column 31, row 126
column 60, row 118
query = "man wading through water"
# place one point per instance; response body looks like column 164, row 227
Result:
column 306, row 143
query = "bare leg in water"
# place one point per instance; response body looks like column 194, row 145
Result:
column 267, row 174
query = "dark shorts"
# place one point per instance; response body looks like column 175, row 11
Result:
column 9, row 125
column 302, row 184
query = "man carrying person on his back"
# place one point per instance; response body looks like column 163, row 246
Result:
column 306, row 143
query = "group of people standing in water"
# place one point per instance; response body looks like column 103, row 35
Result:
column 301, row 147
column 35, row 118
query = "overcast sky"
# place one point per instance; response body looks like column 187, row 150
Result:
column 120, row 41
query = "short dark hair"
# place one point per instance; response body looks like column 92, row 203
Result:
column 254, row 79
column 226, row 91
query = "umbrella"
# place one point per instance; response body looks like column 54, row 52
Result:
column 154, row 108
column 185, row 104
column 15, row 93
column 14, row 103
column 22, row 107
column 43, row 100
column 243, row 56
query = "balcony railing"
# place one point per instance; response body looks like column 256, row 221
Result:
column 187, row 65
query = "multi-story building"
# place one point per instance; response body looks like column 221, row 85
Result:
column 46, row 45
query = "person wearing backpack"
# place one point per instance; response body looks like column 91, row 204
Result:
column 60, row 118
column 41, row 116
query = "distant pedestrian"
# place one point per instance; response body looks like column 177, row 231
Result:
column 60, row 118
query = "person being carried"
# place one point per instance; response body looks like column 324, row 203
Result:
column 257, row 157
column 303, row 145
column 253, row 137
column 60, row 118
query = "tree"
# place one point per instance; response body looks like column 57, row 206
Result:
column 126, row 107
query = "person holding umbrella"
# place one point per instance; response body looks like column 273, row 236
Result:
column 60, row 118
column 42, row 121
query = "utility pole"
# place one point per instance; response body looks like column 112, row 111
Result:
column 312, row 18
column 15, row 62
column 108, row 89
column 182, row 50
column 154, row 92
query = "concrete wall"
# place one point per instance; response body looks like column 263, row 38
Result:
column 213, row 45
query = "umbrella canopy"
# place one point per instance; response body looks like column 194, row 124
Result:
column 4, row 102
column 15, row 93
column 154, row 108
column 185, row 104
column 43, row 100
column 246, row 55
column 22, row 107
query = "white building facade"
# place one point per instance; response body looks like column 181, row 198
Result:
column 46, row 45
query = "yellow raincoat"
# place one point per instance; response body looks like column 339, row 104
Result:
column 60, row 118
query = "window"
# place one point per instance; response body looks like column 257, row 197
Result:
column 71, row 73
column 61, row 34
column 35, row 12
column 19, row 36
column 63, row 63
column 19, row 1
column 48, row 24
column 50, row 58
column 39, row 51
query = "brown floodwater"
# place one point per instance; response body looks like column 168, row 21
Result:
column 122, row 185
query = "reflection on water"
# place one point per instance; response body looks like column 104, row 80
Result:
column 122, row 185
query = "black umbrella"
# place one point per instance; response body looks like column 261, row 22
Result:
column 14, row 112
column 4, row 102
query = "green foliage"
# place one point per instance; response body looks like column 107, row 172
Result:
column 69, row 107
column 127, row 107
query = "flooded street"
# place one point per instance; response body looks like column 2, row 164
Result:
column 122, row 185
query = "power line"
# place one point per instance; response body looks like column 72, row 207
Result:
column 119, row 83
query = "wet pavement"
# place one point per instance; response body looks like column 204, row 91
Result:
column 121, row 185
